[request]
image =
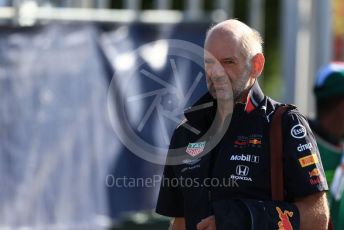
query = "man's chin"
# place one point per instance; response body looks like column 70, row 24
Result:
column 221, row 95
column 224, row 96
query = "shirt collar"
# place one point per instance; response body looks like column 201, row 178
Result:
column 254, row 98
column 205, row 108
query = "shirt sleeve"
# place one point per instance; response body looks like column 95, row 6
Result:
column 303, row 170
column 170, row 200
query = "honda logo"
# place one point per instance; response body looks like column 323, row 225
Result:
column 242, row 170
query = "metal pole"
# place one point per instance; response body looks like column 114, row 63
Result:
column 303, row 56
column 16, row 6
column 322, row 23
column 72, row 3
column 87, row 3
column 256, row 19
column 223, row 9
column 194, row 9
column 289, row 28
column 162, row 4
column 132, row 4
column 321, row 45
column 103, row 4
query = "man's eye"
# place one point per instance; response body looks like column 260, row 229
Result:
column 228, row 62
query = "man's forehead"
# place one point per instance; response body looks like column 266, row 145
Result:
column 220, row 35
column 221, row 49
column 221, row 38
column 228, row 57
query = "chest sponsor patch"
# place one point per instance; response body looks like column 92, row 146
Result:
column 308, row 160
column 298, row 131
column 194, row 149
column 240, row 142
column 245, row 157
column 241, row 172
column 254, row 140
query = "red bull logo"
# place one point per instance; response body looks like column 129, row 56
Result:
column 240, row 143
column 284, row 223
column 255, row 141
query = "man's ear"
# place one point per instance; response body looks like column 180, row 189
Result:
column 257, row 65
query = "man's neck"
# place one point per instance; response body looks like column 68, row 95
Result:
column 224, row 108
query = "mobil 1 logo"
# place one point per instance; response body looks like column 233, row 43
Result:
column 245, row 157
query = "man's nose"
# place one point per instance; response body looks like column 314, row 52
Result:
column 216, row 70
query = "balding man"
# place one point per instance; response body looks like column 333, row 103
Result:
column 223, row 178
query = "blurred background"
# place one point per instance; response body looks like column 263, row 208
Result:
column 91, row 90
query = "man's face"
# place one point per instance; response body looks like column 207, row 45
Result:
column 227, row 71
column 339, row 111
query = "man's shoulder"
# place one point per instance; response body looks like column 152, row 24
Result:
column 293, row 121
column 294, row 114
column 290, row 114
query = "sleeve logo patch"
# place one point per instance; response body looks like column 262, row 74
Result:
column 298, row 131
column 314, row 172
column 308, row 160
column 304, row 147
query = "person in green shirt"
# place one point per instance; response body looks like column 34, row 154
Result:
column 328, row 128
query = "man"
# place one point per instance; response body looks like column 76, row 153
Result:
column 233, row 143
column 329, row 132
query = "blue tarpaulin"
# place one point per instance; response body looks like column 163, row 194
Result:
column 61, row 147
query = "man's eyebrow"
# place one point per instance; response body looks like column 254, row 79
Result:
column 211, row 59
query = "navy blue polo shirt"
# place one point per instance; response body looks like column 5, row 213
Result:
column 236, row 165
